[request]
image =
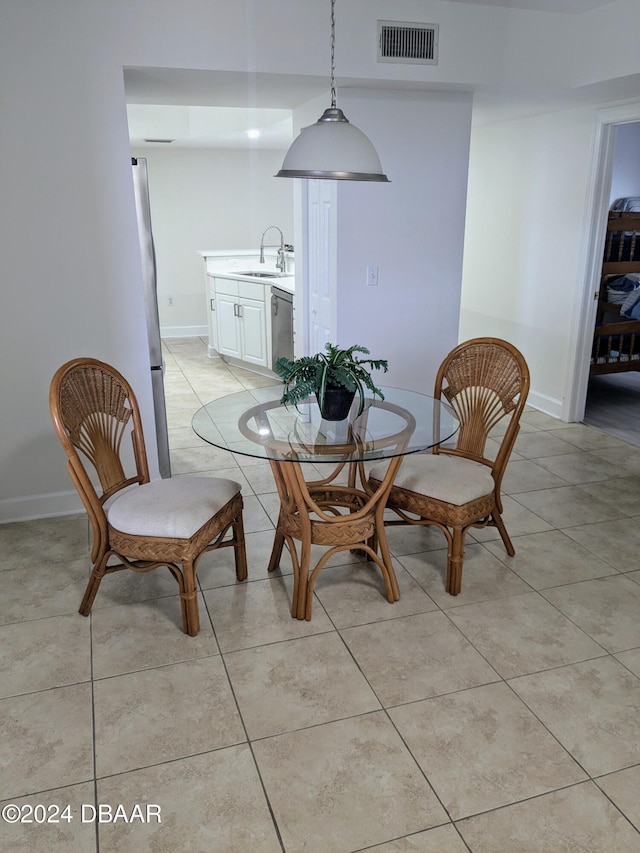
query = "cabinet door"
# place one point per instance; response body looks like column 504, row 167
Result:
column 254, row 331
column 228, row 324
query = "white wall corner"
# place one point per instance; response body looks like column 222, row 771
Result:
column 548, row 405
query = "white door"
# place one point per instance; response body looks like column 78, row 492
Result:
column 321, row 254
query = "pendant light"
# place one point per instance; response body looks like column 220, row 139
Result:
column 332, row 148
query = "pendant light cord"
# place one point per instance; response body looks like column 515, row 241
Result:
column 333, row 53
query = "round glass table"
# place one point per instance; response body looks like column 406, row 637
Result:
column 339, row 509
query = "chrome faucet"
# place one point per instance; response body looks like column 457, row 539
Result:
column 281, row 261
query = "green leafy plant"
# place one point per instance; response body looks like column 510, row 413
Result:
column 338, row 368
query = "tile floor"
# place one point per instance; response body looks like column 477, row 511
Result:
column 504, row 720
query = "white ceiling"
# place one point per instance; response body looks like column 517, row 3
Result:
column 214, row 109
column 573, row 7
column 189, row 126
column 196, row 108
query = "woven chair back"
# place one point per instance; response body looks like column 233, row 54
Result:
column 483, row 380
column 93, row 408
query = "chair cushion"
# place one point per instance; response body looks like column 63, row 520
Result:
column 175, row 508
column 451, row 479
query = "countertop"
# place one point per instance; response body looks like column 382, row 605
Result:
column 244, row 265
column 284, row 282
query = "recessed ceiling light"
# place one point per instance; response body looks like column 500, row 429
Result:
column 253, row 134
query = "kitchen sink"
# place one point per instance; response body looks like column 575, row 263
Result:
column 254, row 274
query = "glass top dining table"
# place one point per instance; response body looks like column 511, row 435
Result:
column 255, row 423
column 339, row 508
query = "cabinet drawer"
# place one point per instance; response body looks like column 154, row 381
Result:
column 226, row 285
column 252, row 290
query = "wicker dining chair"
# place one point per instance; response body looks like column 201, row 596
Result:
column 141, row 524
column 455, row 488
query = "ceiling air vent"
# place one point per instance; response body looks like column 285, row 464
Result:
column 405, row 42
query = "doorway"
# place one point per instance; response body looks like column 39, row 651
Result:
column 213, row 185
column 613, row 405
column 602, row 185
column 613, row 400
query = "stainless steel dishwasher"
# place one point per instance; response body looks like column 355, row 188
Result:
column 281, row 325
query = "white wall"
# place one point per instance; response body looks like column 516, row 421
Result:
column 485, row 44
column 605, row 43
column 70, row 261
column 525, row 247
column 412, row 229
column 625, row 178
column 208, row 199
column 68, row 245
column 68, row 249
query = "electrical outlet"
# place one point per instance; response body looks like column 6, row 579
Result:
column 170, row 301
column 372, row 276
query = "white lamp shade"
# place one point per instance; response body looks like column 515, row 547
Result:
column 333, row 149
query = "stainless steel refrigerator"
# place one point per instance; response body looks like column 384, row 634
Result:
column 149, row 279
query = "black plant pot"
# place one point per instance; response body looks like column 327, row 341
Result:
column 337, row 402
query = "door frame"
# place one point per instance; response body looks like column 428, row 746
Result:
column 607, row 122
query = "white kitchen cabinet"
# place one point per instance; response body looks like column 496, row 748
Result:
column 253, row 331
column 227, row 325
column 238, row 290
column 241, row 320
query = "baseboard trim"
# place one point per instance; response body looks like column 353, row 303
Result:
column 40, row 506
column 184, row 331
column 548, row 405
column 252, row 368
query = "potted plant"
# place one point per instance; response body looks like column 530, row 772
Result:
column 334, row 376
